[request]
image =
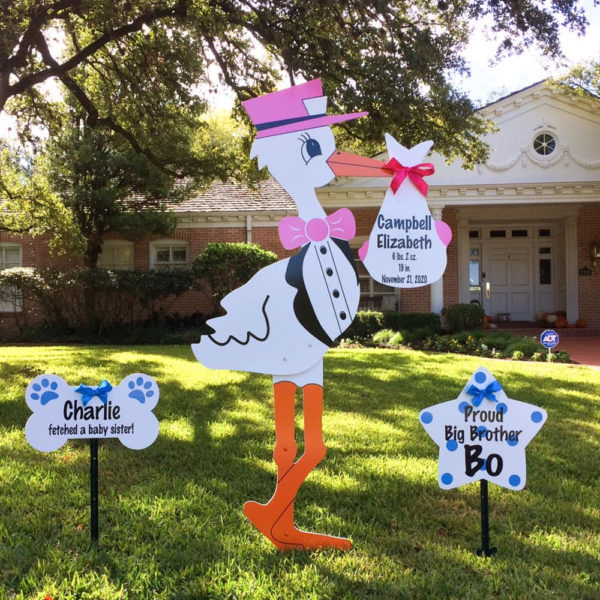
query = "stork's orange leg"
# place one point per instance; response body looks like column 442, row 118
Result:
column 275, row 519
column 314, row 451
column 284, row 454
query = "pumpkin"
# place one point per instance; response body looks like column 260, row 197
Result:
column 560, row 322
column 581, row 323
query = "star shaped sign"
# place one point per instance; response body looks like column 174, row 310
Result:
column 482, row 434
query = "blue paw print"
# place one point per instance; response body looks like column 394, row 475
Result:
column 44, row 391
column 140, row 390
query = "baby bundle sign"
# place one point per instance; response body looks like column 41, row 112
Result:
column 482, row 434
column 62, row 412
column 407, row 247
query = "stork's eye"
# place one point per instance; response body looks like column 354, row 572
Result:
column 310, row 148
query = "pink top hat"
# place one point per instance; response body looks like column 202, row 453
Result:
column 293, row 109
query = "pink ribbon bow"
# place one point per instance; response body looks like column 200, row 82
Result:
column 415, row 174
column 294, row 232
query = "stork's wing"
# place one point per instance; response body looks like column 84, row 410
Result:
column 248, row 308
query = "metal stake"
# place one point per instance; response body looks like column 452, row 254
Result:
column 94, row 489
column 485, row 549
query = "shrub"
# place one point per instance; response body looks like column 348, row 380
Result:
column 518, row 355
column 96, row 300
column 463, row 317
column 417, row 337
column 397, row 339
column 405, row 321
column 527, row 346
column 383, row 336
column 226, row 266
column 500, row 341
column 365, row 325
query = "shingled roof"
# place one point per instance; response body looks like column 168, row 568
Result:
column 235, row 197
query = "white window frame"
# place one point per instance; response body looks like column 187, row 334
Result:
column 370, row 290
column 171, row 245
column 10, row 306
column 113, row 265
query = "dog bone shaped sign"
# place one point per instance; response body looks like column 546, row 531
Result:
column 62, row 412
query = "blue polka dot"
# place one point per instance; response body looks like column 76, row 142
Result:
column 514, row 480
column 512, row 442
column 452, row 445
column 447, row 479
column 480, row 377
column 426, row 418
column 501, row 407
column 536, row 416
column 484, row 465
column 463, row 406
column 481, row 429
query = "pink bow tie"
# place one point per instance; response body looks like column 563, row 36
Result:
column 415, row 174
column 294, row 232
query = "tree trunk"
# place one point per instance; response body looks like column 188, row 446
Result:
column 92, row 320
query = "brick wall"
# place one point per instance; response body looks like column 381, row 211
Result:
column 451, row 273
column 588, row 231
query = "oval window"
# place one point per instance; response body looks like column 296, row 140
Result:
column 544, row 144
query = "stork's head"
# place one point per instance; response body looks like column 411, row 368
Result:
column 295, row 141
column 298, row 160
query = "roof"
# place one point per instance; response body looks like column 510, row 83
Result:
column 527, row 87
column 230, row 196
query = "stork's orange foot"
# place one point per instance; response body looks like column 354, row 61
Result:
column 262, row 517
column 306, row 540
column 284, row 535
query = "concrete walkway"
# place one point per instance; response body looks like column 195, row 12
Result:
column 583, row 350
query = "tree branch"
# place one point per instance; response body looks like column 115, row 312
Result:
column 43, row 16
column 57, row 70
column 229, row 80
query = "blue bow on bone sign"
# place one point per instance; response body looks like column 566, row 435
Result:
column 87, row 393
column 480, row 393
column 62, row 412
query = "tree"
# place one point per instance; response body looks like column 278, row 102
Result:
column 582, row 80
column 143, row 69
column 105, row 186
column 89, row 182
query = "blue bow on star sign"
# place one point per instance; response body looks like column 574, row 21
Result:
column 87, row 393
column 488, row 392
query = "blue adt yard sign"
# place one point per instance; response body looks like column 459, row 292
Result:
column 549, row 338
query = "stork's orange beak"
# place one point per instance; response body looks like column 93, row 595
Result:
column 344, row 164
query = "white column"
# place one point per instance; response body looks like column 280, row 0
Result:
column 437, row 287
column 462, row 242
column 572, row 272
column 249, row 229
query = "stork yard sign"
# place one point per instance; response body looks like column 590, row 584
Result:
column 285, row 318
column 62, row 412
column 482, row 434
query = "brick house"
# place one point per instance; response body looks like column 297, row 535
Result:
column 526, row 224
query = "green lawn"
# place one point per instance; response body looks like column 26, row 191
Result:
column 171, row 520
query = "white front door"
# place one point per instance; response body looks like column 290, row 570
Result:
column 508, row 285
